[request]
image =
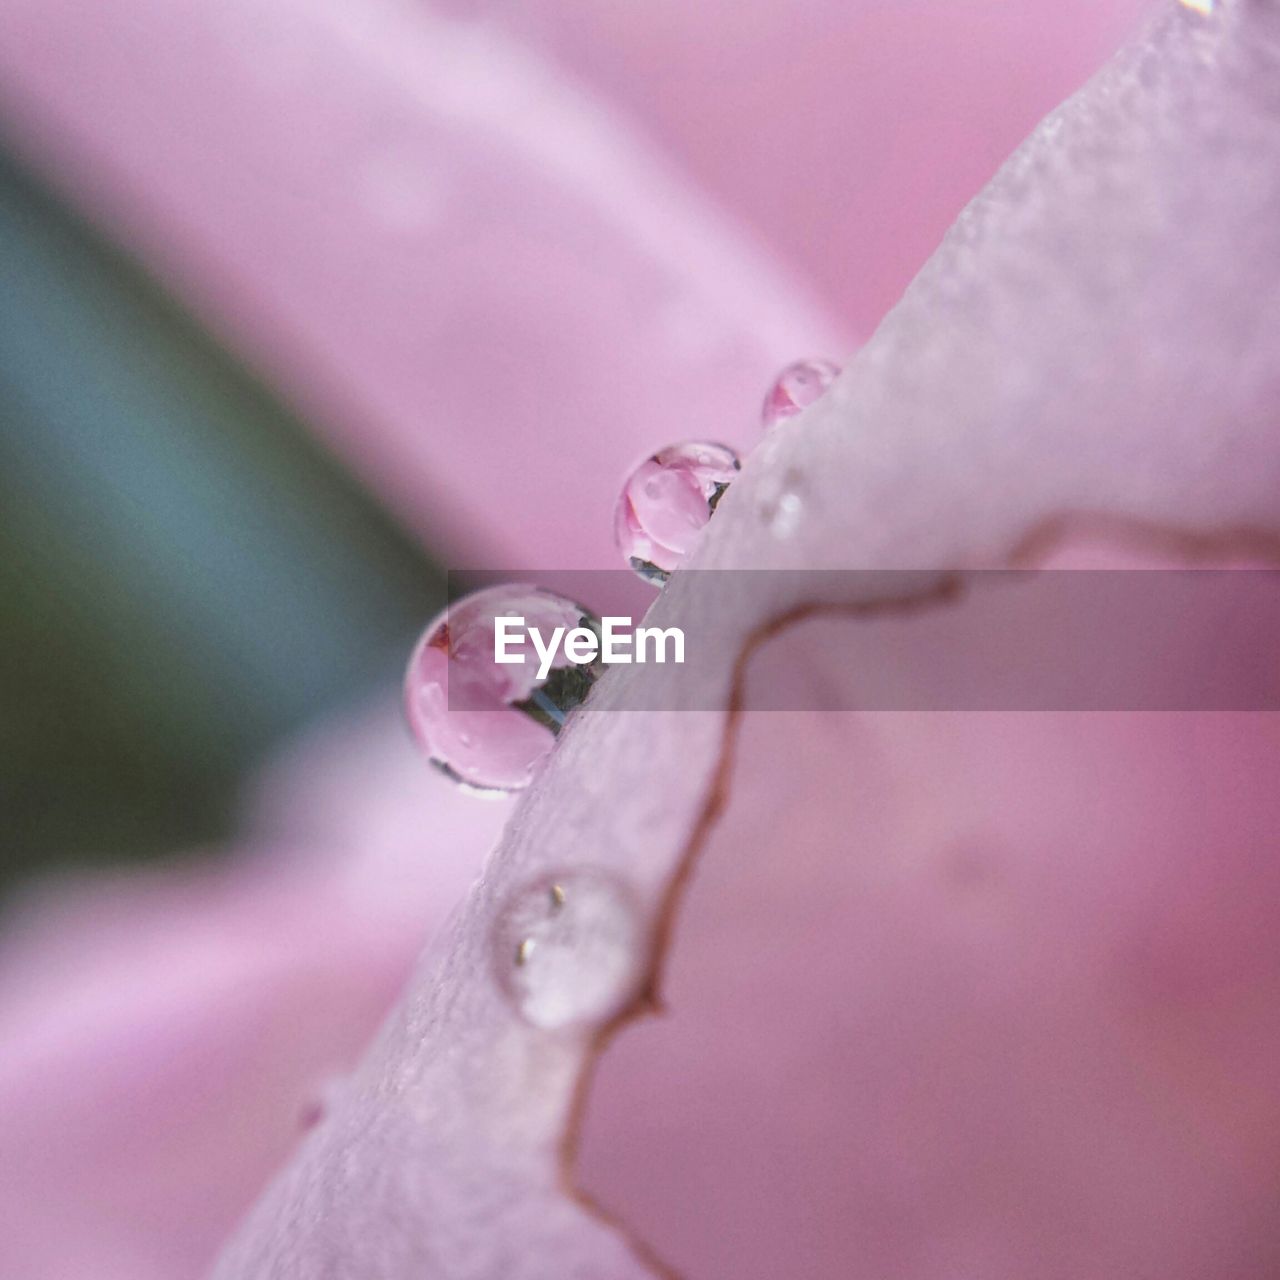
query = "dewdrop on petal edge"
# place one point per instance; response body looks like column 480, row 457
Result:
column 568, row 949
column 796, row 388
column 487, row 725
column 666, row 503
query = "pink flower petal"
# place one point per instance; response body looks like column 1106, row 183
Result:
column 846, row 132
column 168, row 1036
column 447, row 258
column 1097, row 334
column 964, row 993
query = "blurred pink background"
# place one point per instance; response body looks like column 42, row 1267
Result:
column 492, row 254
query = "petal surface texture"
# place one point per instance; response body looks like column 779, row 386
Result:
column 1093, row 348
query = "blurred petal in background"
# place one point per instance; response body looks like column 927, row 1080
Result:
column 299, row 302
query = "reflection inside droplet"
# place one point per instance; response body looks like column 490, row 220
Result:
column 797, row 387
column 569, row 949
column 666, row 503
column 488, row 725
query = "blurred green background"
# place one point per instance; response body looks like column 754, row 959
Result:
column 185, row 577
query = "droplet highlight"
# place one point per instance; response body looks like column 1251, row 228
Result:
column 569, row 949
column 796, row 388
column 781, row 502
column 667, row 501
column 487, row 725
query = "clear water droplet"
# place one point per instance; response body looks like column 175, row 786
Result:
column 569, row 949
column 486, row 724
column 666, row 503
column 1204, row 8
column 781, row 502
column 796, row 388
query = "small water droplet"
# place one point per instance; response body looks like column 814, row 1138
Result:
column 666, row 503
column 796, row 388
column 486, row 724
column 578, row 946
column 781, row 502
column 1204, row 8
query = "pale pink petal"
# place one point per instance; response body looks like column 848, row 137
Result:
column 167, row 1036
column 846, row 132
column 1097, row 334
column 448, row 258
column 958, row 993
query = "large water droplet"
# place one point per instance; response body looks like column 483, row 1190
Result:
column 486, row 724
column 569, row 949
column 666, row 503
column 796, row 388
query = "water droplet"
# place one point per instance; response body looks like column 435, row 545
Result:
column 781, row 502
column 569, row 949
column 666, row 503
column 486, row 724
column 1203, row 7
column 796, row 388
